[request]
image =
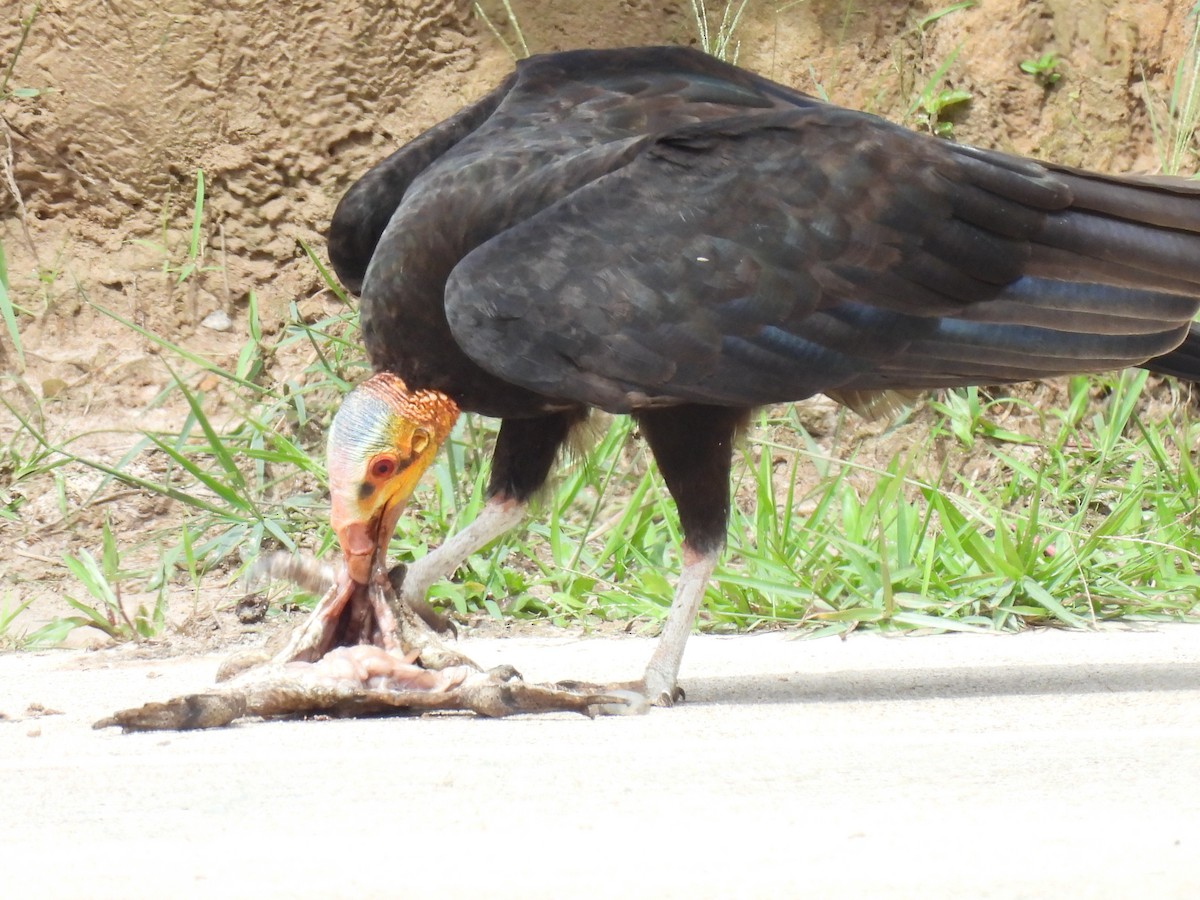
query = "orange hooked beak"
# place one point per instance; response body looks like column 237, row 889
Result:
column 382, row 440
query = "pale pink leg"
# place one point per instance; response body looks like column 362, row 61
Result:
column 662, row 672
column 496, row 517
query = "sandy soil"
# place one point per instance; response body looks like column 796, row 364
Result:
column 282, row 105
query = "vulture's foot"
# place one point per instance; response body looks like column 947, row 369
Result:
column 659, row 684
column 638, row 696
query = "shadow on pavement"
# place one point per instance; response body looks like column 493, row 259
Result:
column 859, row 686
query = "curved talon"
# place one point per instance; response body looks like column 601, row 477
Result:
column 637, row 696
column 504, row 672
column 676, row 695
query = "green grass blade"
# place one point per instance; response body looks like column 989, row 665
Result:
column 216, row 445
column 181, row 352
column 1044, row 598
column 8, row 313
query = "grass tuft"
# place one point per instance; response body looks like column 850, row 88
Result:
column 719, row 42
column 513, row 22
column 1175, row 126
column 931, row 104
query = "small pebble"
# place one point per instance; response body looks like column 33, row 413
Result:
column 52, row 387
column 252, row 608
column 217, row 320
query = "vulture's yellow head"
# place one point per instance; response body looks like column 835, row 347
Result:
column 382, row 440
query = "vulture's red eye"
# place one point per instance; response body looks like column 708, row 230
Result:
column 382, row 468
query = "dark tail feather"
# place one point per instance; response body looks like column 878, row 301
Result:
column 1182, row 362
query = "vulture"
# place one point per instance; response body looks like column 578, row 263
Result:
column 653, row 232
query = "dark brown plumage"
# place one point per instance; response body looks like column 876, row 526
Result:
column 654, row 232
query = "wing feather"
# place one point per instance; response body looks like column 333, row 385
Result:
column 771, row 256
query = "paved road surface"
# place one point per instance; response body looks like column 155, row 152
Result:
column 1045, row 764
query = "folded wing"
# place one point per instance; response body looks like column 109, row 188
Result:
column 770, row 256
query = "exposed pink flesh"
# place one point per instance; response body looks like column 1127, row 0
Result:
column 374, row 668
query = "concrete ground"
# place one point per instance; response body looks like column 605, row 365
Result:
column 1045, row 764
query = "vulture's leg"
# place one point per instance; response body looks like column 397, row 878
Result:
column 498, row 515
column 694, row 448
column 525, row 451
column 660, row 680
